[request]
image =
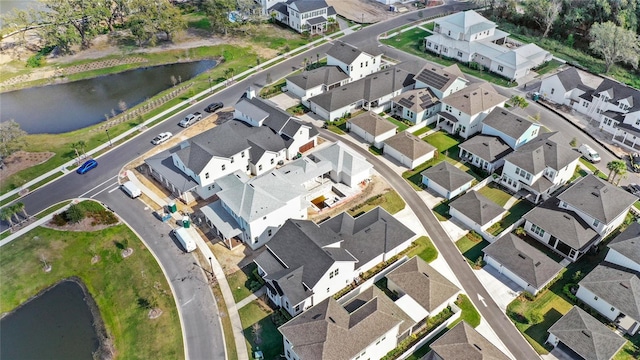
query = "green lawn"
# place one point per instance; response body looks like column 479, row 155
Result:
column 423, row 130
column 375, row 151
column 424, row 249
column 471, row 247
column 390, row 201
column 550, row 66
column 411, row 39
column 270, row 339
column 637, row 205
column 495, row 194
column 242, row 282
column 441, row 211
column 124, row 289
column 401, row 125
column 413, row 176
column 630, row 350
column 442, row 141
column 515, row 213
column 593, row 168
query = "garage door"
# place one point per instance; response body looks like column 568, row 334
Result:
column 306, row 146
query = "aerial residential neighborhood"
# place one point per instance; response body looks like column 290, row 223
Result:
column 314, row 179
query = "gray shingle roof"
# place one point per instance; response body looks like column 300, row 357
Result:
column 522, row 259
column 326, row 75
column 417, row 100
column 162, row 163
column 372, row 123
column 329, row 331
column 347, row 53
column 488, row 148
column 616, row 285
column 409, row 145
column 509, row 123
column 464, row 342
column 475, row 98
column 570, row 78
column 586, row 336
column 447, row 175
column 477, row 207
column 437, row 77
column 309, row 5
column 628, row 242
column 598, row 198
column 423, row 283
column 369, row 88
column 566, row 225
column 618, row 91
column 278, row 120
column 541, row 152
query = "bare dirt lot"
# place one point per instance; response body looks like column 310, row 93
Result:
column 21, row 160
column 354, row 10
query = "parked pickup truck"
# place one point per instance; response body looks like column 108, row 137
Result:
column 190, row 119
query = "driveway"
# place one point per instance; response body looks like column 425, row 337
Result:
column 285, row 100
column 502, row 289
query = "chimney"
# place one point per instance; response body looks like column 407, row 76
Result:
column 251, row 92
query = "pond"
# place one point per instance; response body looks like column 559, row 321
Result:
column 66, row 107
column 55, row 325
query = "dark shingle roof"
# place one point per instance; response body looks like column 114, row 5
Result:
column 347, row 53
column 628, row 242
column 564, row 224
column 507, row 122
column 309, row 5
column 464, row 342
column 618, row 91
column 598, row 198
column 326, row 75
column 570, row 78
column 488, row 148
column 477, row 207
column 586, row 336
column 616, row 285
column 447, row 175
column 439, row 78
column 329, row 331
column 417, row 100
column 541, row 152
column 372, row 123
column 522, row 259
column 423, row 283
column 409, row 145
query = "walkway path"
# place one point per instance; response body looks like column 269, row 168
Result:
column 244, row 302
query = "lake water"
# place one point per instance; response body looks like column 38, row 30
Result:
column 65, row 107
column 7, row 5
column 55, row 325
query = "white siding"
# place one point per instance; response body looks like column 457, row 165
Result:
column 616, row 258
column 509, row 274
column 597, row 303
column 551, row 88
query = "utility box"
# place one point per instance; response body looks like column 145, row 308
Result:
column 172, row 207
column 186, row 222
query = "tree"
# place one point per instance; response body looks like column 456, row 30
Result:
column 518, row 101
column 11, row 137
column 75, row 148
column 72, row 22
column 81, row 144
column 74, row 213
column 616, row 167
column 151, row 17
column 21, row 208
column 543, row 12
column 218, row 13
column 6, row 214
column 614, row 44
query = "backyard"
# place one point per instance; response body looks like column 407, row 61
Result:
column 424, row 249
column 515, row 213
column 471, row 246
column 243, row 282
column 390, row 201
column 259, row 330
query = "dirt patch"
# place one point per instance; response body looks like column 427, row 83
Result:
column 21, row 160
column 82, row 225
column 235, row 259
column 354, row 10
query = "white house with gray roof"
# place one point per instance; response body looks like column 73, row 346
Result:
column 580, row 217
column 539, row 167
column 463, row 111
column 624, row 249
column 372, row 128
column 370, row 324
column 306, row 263
column 357, row 63
column 469, row 37
column 485, row 152
column 584, row 335
column 463, row 342
column 408, row 149
column 446, row 180
column 476, row 211
column 614, row 292
column 312, row 16
column 566, row 87
column 373, row 92
column 522, row 263
column 316, row 81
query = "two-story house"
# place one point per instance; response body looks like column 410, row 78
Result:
column 311, row 16
column 469, row 37
column 463, row 111
column 539, row 167
column 432, row 84
column 316, row 81
column 306, row 263
column 623, row 249
column 580, row 217
column 502, row 132
column 566, row 87
column 354, row 62
column 365, row 327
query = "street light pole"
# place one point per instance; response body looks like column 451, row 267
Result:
column 210, row 89
column 211, row 263
column 109, row 137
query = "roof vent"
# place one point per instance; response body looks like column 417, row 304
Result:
column 425, row 274
column 518, row 120
column 585, row 333
column 331, row 319
column 522, row 256
column 368, row 230
column 624, row 286
column 566, row 216
column 316, row 316
column 484, row 206
column 503, row 113
column 595, row 194
column 477, row 347
column 485, row 144
column 537, row 264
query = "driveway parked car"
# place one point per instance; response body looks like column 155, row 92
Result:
column 213, row 107
column 88, row 165
column 161, row 138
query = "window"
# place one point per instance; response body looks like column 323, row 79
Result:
column 613, row 309
column 459, row 53
column 429, row 43
column 528, row 177
column 327, row 290
column 361, row 64
column 435, row 47
column 552, row 91
column 260, row 167
column 224, row 166
column 242, row 154
column 206, row 176
column 331, row 275
column 595, row 298
column 255, row 239
column 272, row 161
column 336, row 272
column 445, row 50
column 351, row 67
column 374, row 60
column 500, row 68
column 596, row 223
column 366, row 63
column 247, row 167
column 297, row 308
column 517, row 171
column 288, row 354
column 537, row 230
column 269, row 232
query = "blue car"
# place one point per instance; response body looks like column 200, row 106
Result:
column 88, row 165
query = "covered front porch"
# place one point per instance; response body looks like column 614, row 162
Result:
column 317, row 25
column 627, row 136
column 225, row 226
column 447, row 122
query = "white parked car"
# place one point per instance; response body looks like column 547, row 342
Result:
column 161, row 138
column 588, row 153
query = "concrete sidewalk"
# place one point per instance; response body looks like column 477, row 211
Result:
column 244, row 302
column 232, row 309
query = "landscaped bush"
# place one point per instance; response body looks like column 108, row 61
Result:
column 527, row 295
column 74, row 214
column 59, row 219
column 567, row 290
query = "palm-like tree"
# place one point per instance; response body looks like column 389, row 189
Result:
column 21, row 208
column 6, row 214
column 75, row 146
column 81, row 144
column 616, row 167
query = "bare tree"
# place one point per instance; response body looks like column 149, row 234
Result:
column 543, row 12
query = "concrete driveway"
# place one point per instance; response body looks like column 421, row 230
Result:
column 285, row 100
column 502, row 290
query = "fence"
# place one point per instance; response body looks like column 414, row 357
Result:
column 456, row 314
column 367, row 284
column 491, row 238
column 416, row 127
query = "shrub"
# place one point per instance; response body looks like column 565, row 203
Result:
column 59, row 220
column 527, row 295
column 566, row 289
column 535, row 317
column 36, row 60
column 74, row 214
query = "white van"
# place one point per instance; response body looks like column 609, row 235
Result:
column 588, row 153
column 131, row 189
column 188, row 243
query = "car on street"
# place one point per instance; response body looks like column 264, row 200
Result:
column 162, row 137
column 213, row 107
column 88, row 165
column 190, row 119
column 633, row 188
column 634, row 159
